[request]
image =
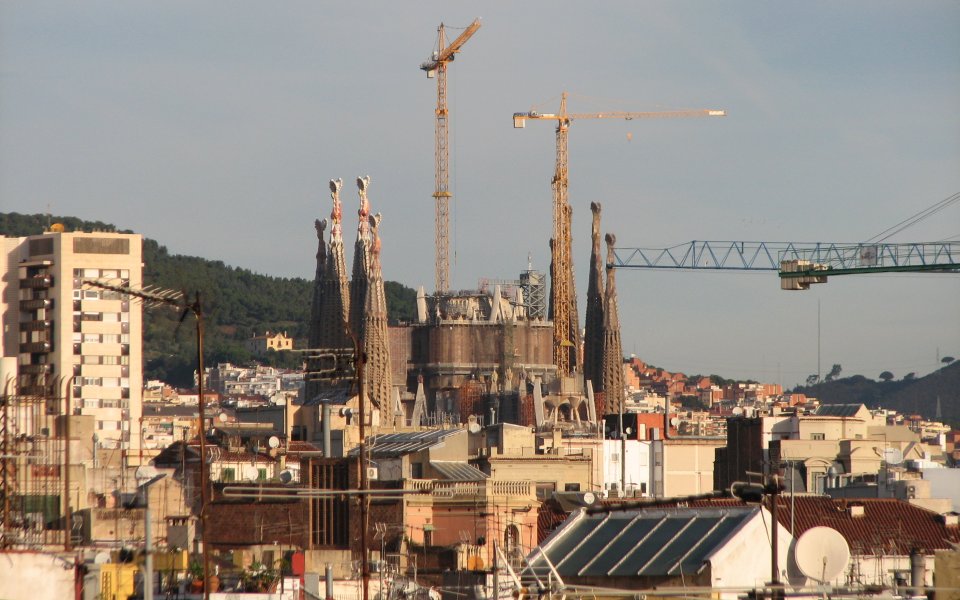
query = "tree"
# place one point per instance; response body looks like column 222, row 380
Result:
column 812, row 379
column 886, row 376
column 834, row 372
column 910, row 376
column 947, row 360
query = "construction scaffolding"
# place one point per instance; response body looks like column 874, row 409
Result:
column 33, row 471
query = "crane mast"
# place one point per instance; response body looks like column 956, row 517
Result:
column 437, row 67
column 563, row 297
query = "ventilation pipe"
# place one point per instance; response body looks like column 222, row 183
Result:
column 917, row 573
column 666, row 417
column 326, row 429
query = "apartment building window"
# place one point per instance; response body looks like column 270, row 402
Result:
column 545, row 489
column 818, row 436
column 261, row 474
column 228, row 475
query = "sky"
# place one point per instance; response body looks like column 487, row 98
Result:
column 214, row 127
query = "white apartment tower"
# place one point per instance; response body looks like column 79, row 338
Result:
column 61, row 331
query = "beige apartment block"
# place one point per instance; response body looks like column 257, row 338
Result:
column 686, row 466
column 72, row 339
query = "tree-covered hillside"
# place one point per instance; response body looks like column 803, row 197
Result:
column 909, row 394
column 237, row 304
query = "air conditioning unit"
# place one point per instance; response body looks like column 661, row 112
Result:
column 372, row 473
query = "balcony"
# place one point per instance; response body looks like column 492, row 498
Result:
column 37, row 282
column 487, row 487
column 36, row 348
column 36, row 304
column 35, row 325
column 35, row 369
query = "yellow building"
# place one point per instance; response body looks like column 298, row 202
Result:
column 260, row 344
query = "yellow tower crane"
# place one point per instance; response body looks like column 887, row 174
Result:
column 437, row 67
column 563, row 307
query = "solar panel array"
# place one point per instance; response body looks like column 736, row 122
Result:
column 638, row 543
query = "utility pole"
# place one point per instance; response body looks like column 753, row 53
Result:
column 153, row 297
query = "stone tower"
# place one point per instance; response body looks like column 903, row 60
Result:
column 330, row 308
column 376, row 344
column 594, row 335
column 612, row 346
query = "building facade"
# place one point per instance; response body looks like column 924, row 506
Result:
column 75, row 343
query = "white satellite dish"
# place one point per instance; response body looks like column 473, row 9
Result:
column 674, row 422
column 893, row 456
column 589, row 498
column 273, row 442
column 250, row 473
column 822, row 554
column 222, row 417
column 146, row 472
column 737, row 411
column 101, row 558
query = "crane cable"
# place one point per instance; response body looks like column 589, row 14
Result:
column 914, row 219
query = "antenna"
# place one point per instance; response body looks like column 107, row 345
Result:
column 822, row 554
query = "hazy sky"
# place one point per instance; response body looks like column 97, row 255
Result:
column 213, row 127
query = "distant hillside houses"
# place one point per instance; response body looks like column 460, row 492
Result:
column 639, row 377
column 233, row 381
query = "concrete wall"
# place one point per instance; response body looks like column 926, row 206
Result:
column 35, row 576
column 688, row 466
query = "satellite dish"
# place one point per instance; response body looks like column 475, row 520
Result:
column 146, row 472
column 250, row 473
column 822, row 554
column 893, row 456
column 222, row 417
column 286, row 476
column 101, row 558
column 737, row 411
column 473, row 427
column 589, row 498
column 273, row 442
column 674, row 422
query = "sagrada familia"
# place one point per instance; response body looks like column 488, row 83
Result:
column 477, row 356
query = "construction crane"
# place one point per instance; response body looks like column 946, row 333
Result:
column 799, row 264
column 437, row 67
column 563, row 310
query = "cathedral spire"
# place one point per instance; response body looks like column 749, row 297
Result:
column 593, row 334
column 612, row 346
column 328, row 314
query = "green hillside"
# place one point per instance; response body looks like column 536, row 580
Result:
column 237, row 303
column 909, row 395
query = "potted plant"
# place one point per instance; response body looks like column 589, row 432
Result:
column 259, row 577
column 195, row 570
